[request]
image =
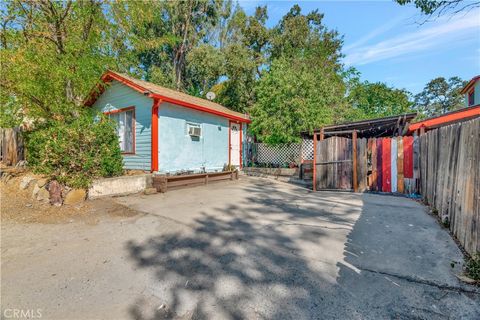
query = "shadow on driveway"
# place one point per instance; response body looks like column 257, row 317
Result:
column 281, row 252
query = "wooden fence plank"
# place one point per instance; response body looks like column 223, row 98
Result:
column 393, row 164
column 400, row 182
column 379, row 164
column 449, row 171
column 373, row 184
column 386, row 166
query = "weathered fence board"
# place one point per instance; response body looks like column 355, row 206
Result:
column 11, row 146
column 334, row 163
column 380, row 164
column 450, row 178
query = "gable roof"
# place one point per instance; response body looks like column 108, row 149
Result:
column 470, row 84
column 168, row 95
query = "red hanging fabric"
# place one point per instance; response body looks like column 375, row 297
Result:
column 408, row 157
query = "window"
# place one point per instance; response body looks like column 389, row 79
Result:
column 125, row 120
column 471, row 98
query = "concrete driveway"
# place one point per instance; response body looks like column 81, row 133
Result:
column 252, row 249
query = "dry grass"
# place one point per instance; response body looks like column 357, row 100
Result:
column 17, row 206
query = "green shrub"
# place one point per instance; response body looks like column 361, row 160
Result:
column 473, row 267
column 76, row 152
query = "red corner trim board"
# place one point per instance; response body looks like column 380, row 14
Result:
column 154, row 148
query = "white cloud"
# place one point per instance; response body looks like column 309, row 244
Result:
column 443, row 32
column 375, row 32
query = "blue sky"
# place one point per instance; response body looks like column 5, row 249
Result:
column 387, row 42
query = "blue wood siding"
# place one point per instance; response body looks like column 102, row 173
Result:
column 118, row 96
column 476, row 94
column 178, row 151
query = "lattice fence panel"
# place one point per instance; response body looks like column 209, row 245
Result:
column 307, row 149
column 278, row 155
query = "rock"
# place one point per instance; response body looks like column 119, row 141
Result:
column 35, row 191
column 43, row 195
column 10, row 180
column 55, row 190
column 41, row 182
column 6, row 176
column 21, row 164
column 26, row 181
column 75, row 196
column 150, row 191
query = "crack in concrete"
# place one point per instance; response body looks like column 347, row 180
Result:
column 417, row 280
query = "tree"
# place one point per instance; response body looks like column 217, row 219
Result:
column 373, row 100
column 303, row 87
column 440, row 96
column 245, row 57
column 205, row 65
column 162, row 34
column 291, row 99
column 51, row 54
column 440, row 7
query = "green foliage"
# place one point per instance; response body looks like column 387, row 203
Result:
column 205, row 66
column 292, row 97
column 296, row 95
column 440, row 96
column 375, row 100
column 473, row 267
column 441, row 7
column 52, row 54
column 75, row 152
column 289, row 77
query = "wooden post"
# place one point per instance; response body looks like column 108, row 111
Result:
column 314, row 182
column 354, row 156
column 422, row 131
column 322, row 134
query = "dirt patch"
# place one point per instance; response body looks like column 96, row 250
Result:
column 18, row 206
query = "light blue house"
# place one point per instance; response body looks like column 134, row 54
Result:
column 472, row 92
column 163, row 130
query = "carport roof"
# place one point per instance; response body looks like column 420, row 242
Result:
column 370, row 128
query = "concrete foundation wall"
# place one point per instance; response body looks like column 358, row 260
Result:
column 119, row 186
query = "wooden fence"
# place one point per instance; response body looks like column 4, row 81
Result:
column 377, row 164
column 443, row 165
column 450, row 178
column 11, row 146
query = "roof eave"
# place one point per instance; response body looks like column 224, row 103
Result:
column 469, row 84
column 199, row 108
column 445, row 119
column 110, row 75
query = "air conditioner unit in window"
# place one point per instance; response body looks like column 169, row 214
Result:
column 194, row 131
